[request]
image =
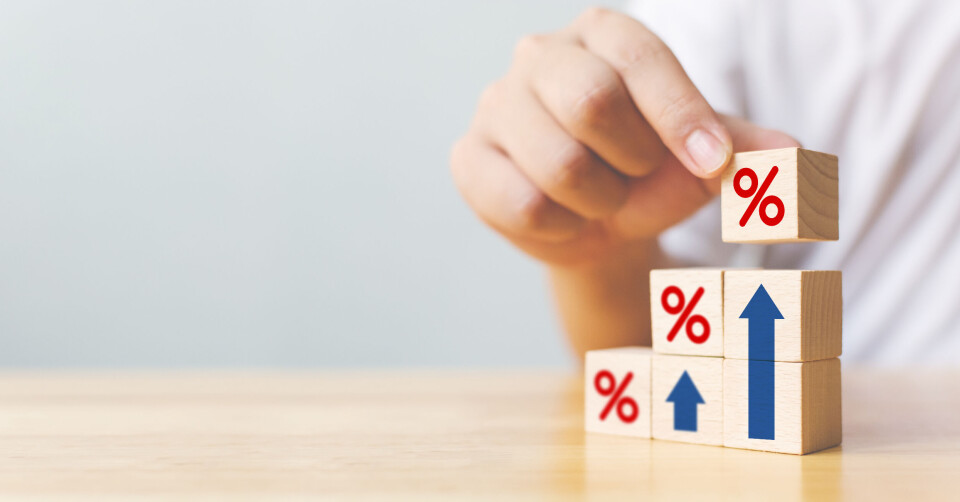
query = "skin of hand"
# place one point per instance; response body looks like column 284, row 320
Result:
column 594, row 143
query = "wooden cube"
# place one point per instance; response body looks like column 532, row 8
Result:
column 782, row 407
column 783, row 195
column 782, row 315
column 686, row 311
column 687, row 399
column 617, row 391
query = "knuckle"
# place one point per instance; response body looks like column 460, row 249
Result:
column 572, row 166
column 677, row 112
column 598, row 103
column 533, row 211
column 493, row 95
column 530, row 46
column 461, row 166
column 593, row 15
column 638, row 57
column 457, row 157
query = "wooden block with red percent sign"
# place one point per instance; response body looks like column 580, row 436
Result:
column 617, row 391
column 686, row 311
column 782, row 195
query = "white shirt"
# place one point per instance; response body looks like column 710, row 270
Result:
column 878, row 84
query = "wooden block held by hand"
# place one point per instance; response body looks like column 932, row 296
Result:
column 782, row 195
column 782, row 407
column 688, row 399
column 782, row 315
column 617, row 391
column 686, row 311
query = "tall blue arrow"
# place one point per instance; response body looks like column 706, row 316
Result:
column 685, row 398
column 761, row 312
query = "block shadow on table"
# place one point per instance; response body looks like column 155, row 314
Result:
column 901, row 441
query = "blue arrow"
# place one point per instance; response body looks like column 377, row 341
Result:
column 761, row 312
column 685, row 398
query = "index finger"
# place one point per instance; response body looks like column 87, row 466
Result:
column 660, row 87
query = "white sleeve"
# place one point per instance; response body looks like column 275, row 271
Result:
column 704, row 35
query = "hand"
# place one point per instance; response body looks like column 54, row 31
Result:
column 595, row 139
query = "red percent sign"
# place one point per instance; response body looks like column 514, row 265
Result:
column 684, row 309
column 616, row 392
column 758, row 196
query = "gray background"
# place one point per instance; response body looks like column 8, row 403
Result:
column 256, row 184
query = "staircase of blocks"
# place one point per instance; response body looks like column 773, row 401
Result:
column 741, row 358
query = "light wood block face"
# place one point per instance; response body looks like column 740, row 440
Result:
column 617, row 391
column 786, row 195
column 797, row 316
column 686, row 311
column 785, row 408
column 688, row 399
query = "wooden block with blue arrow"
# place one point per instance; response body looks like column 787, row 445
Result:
column 687, row 398
column 743, row 358
column 782, row 336
column 801, row 309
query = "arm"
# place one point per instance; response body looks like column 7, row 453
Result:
column 606, row 304
column 594, row 143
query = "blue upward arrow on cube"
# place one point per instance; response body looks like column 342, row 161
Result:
column 761, row 312
column 685, row 398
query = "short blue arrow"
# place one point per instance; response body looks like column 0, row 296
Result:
column 761, row 312
column 685, row 398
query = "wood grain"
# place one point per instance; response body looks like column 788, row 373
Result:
column 619, row 362
column 806, row 183
column 436, row 435
column 710, row 306
column 707, row 374
column 818, row 196
column 811, row 303
column 807, row 406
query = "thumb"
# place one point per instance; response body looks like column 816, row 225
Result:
column 672, row 193
column 748, row 137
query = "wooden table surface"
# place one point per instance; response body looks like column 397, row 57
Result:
column 435, row 435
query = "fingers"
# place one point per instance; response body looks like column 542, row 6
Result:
column 673, row 194
column 504, row 198
column 666, row 197
column 559, row 165
column 660, row 88
column 596, row 135
column 748, row 137
column 586, row 96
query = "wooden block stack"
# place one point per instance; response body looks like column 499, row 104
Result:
column 741, row 358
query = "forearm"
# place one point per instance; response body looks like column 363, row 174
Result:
column 607, row 304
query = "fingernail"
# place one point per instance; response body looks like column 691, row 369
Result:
column 707, row 151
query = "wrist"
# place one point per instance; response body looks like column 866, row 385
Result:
column 606, row 303
column 636, row 254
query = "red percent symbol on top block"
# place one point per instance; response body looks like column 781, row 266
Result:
column 617, row 399
column 758, row 196
column 684, row 309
